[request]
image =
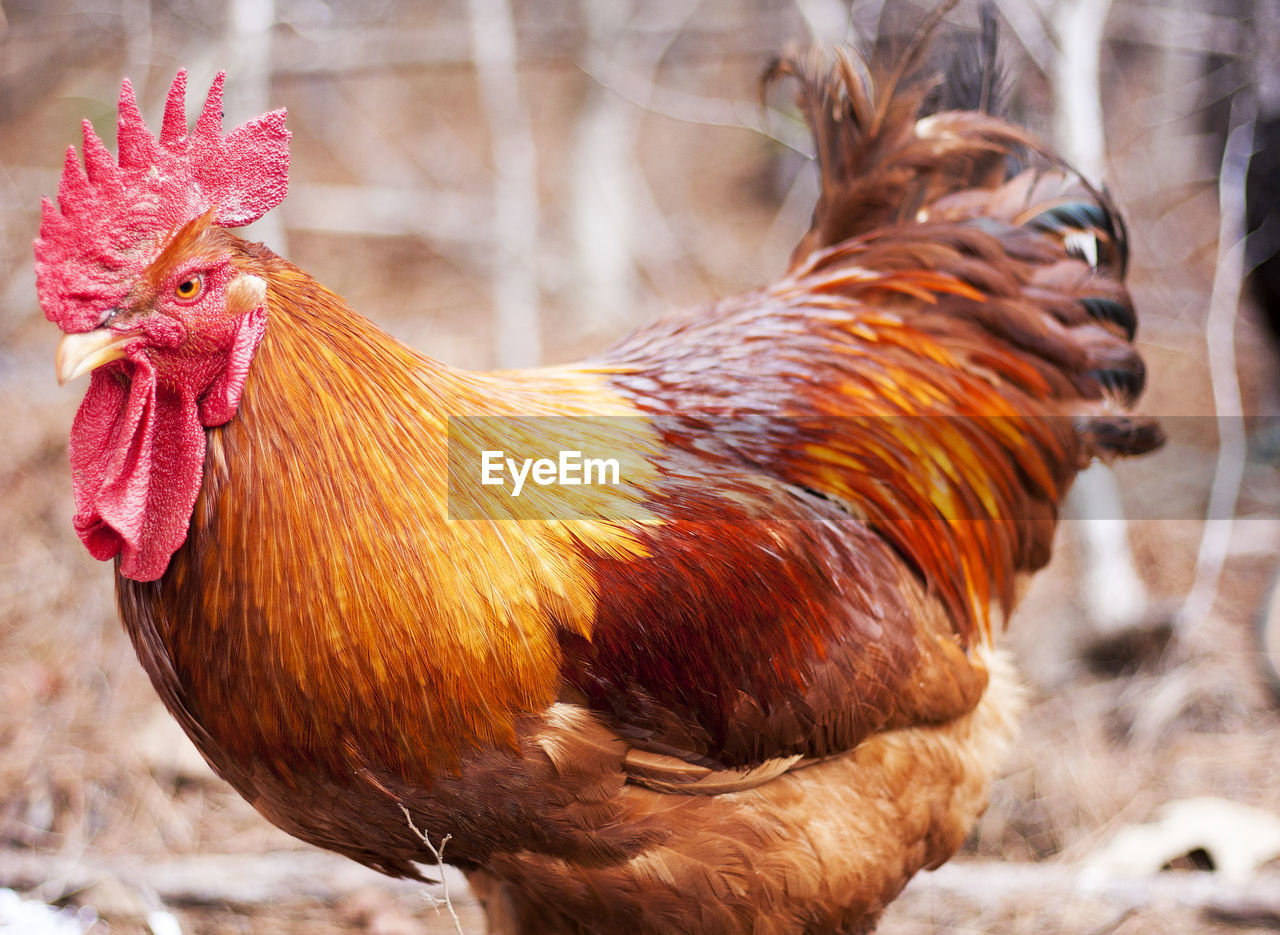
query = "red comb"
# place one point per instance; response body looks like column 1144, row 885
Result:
column 111, row 219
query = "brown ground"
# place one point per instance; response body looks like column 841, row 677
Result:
column 90, row 767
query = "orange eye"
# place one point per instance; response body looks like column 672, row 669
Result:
column 188, row 289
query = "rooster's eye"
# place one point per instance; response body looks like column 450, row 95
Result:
column 188, row 289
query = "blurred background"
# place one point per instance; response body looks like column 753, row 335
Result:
column 503, row 182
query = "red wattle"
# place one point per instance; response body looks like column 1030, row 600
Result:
column 137, row 459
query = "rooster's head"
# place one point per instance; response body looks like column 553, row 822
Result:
column 135, row 265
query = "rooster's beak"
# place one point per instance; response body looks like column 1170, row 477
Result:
column 80, row 353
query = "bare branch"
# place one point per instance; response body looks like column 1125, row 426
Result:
column 829, row 21
column 1179, row 29
column 1033, row 33
column 642, row 91
column 248, row 44
column 212, row 879
column 515, row 189
column 602, row 181
column 988, row 884
column 444, row 216
column 1078, row 131
column 1220, row 347
column 1114, row 595
column 1110, row 587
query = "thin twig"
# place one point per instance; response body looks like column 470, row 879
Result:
column 438, row 854
column 645, row 93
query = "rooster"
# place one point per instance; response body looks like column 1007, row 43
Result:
column 749, row 684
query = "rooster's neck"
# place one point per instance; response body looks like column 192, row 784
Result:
column 323, row 577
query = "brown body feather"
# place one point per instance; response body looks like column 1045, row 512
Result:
column 751, row 690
